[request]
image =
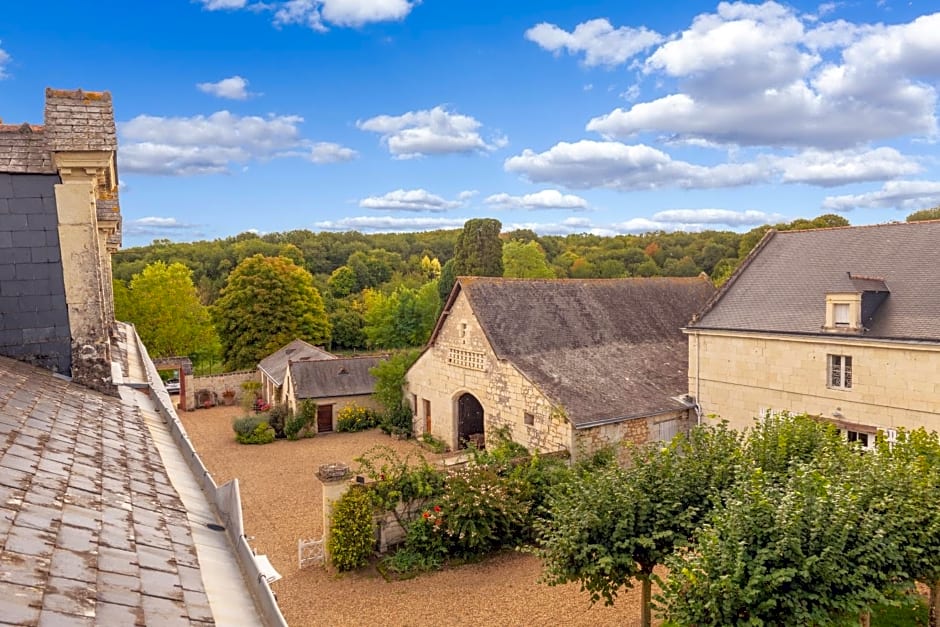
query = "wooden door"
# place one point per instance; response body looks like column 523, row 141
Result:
column 427, row 415
column 324, row 418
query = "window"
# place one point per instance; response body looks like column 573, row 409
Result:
column 866, row 440
column 466, row 359
column 840, row 371
column 840, row 314
column 529, row 418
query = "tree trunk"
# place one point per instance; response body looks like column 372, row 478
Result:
column 864, row 619
column 934, row 604
column 646, row 586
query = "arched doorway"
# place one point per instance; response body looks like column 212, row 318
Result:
column 469, row 420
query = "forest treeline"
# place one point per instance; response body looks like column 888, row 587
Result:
column 232, row 301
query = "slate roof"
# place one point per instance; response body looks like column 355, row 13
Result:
column 342, row 376
column 91, row 529
column 275, row 364
column 23, row 150
column 781, row 287
column 605, row 349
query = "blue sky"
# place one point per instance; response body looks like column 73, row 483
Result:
column 596, row 116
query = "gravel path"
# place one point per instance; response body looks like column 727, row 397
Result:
column 282, row 502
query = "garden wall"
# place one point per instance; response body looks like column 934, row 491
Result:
column 214, row 387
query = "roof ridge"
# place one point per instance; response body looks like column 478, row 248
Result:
column 861, row 226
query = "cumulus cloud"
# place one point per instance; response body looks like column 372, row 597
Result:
column 429, row 132
column 329, row 152
column 209, row 144
column 545, row 199
column 762, row 74
column 907, row 195
column 724, row 217
column 159, row 227
column 567, row 226
column 624, row 167
column 4, row 59
column 233, row 88
column 829, row 169
column 315, row 14
column 389, row 224
column 598, row 40
column 410, row 200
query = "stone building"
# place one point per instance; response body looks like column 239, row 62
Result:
column 841, row 323
column 332, row 384
column 104, row 505
column 558, row 364
column 273, row 369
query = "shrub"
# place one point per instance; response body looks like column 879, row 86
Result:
column 250, row 390
column 252, row 430
column 397, row 421
column 356, row 418
column 352, row 530
column 278, row 417
column 433, row 444
column 300, row 425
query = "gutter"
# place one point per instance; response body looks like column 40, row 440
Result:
column 608, row 421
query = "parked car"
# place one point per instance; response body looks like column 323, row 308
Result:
column 173, row 386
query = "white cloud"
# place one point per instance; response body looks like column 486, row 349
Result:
column 613, row 165
column 545, row 199
column 829, row 169
column 565, row 227
column 597, row 39
column 4, row 59
column 409, row 200
column 210, row 144
column 158, row 226
column 389, row 224
column 429, row 132
column 753, row 74
column 724, row 217
column 467, row 194
column 233, row 88
column 908, row 195
column 219, row 5
column 329, row 152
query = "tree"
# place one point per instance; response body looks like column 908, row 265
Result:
column 342, row 282
column 525, row 261
column 266, row 303
column 403, row 318
column 479, row 251
column 163, row 304
column 446, row 283
column 924, row 214
column 611, row 525
column 390, row 379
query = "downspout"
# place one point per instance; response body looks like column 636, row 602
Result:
column 698, row 378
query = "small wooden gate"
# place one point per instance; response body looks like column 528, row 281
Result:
column 324, row 418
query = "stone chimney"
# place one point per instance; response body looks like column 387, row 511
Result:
column 60, row 223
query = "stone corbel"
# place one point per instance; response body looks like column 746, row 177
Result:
column 81, row 166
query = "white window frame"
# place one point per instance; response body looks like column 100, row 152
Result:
column 839, row 372
column 841, row 314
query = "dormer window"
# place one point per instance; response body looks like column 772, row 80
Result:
column 840, row 314
column 843, row 312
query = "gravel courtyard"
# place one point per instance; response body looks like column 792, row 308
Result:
column 282, row 503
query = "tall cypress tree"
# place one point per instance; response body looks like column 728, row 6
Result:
column 479, row 251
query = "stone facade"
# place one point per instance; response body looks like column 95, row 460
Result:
column 661, row 428
column 505, row 394
column 35, row 324
column 737, row 376
column 216, row 386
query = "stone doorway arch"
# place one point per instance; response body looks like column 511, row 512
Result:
column 469, row 421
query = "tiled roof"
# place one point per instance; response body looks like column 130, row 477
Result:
column 275, row 364
column 782, row 287
column 91, row 529
column 343, row 376
column 23, row 150
column 605, row 349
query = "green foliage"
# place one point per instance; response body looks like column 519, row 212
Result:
column 252, row 430
column 924, row 214
column 356, row 418
column 526, row 260
column 250, row 390
column 778, row 441
column 403, row 318
column 446, row 282
column 266, row 303
column 347, row 320
column 278, row 417
column 398, row 421
column 342, row 282
column 433, row 444
column 302, row 424
column 162, row 303
column 401, row 484
column 390, row 380
column 352, row 530
column 479, row 251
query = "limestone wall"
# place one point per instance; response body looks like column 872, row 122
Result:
column 505, row 394
column 636, row 431
column 739, row 376
column 216, row 385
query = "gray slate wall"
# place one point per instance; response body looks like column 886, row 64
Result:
column 34, row 322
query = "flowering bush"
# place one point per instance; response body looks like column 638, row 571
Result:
column 356, row 418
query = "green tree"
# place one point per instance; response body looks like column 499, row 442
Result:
column 609, row 526
column 347, row 321
column 446, row 283
column 342, row 282
column 403, row 318
column 390, row 379
column 266, row 303
column 479, row 251
column 163, row 304
column 924, row 214
column 525, row 261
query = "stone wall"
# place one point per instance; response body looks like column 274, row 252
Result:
column 215, row 386
column 338, row 403
column 737, row 376
column 34, row 326
column 505, row 394
column 636, row 431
